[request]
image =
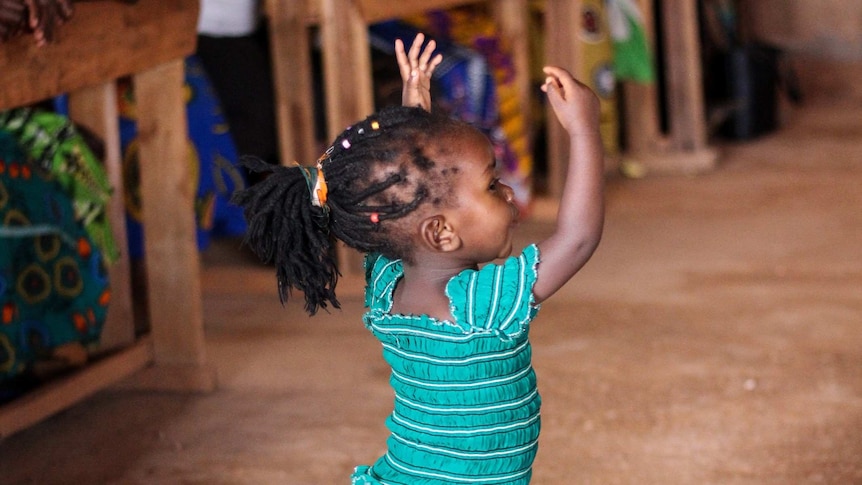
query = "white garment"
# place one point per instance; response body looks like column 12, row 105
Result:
column 228, row 18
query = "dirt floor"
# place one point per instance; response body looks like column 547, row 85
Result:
column 715, row 338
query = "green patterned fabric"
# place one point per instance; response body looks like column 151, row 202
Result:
column 466, row 402
column 53, row 282
column 53, row 142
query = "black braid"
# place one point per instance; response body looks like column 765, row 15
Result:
column 379, row 166
column 285, row 229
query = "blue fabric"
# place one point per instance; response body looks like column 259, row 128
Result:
column 463, row 83
column 53, row 282
column 212, row 154
column 474, row 83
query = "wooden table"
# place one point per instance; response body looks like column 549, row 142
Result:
column 102, row 42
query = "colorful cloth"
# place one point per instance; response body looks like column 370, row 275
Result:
column 212, row 156
column 477, row 30
column 633, row 59
column 54, row 143
column 53, row 281
column 474, row 83
column 466, row 402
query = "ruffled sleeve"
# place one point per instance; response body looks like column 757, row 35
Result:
column 381, row 274
column 498, row 297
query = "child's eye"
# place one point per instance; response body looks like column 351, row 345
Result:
column 494, row 184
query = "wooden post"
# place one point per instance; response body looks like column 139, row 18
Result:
column 685, row 148
column 684, row 79
column 96, row 108
column 347, row 83
column 291, row 60
column 512, row 20
column 562, row 49
column 170, row 249
column 643, row 130
column 346, row 65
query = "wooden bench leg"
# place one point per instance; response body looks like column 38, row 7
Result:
column 291, row 61
column 96, row 108
column 347, row 84
column 171, row 254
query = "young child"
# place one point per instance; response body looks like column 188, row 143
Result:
column 418, row 193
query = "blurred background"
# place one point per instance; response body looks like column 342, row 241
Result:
column 714, row 337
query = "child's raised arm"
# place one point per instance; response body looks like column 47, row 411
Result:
column 416, row 67
column 581, row 212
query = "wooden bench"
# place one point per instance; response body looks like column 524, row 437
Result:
column 102, row 42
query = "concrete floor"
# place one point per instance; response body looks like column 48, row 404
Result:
column 715, row 338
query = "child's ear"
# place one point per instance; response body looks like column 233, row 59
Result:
column 439, row 235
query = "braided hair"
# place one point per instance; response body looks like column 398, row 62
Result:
column 377, row 171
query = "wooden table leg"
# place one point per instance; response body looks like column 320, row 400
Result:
column 347, row 83
column 291, row 60
column 96, row 108
column 562, row 48
column 686, row 110
column 171, row 255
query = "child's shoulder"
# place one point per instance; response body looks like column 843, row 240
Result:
column 376, row 263
column 381, row 274
column 498, row 295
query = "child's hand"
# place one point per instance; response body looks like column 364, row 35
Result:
column 416, row 67
column 575, row 104
column 580, row 216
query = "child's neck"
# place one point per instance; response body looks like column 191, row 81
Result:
column 422, row 290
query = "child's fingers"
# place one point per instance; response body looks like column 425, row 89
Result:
column 563, row 80
column 553, row 89
column 434, row 63
column 554, row 92
column 426, row 55
column 401, row 57
column 413, row 55
column 557, row 95
column 560, row 107
column 550, row 81
column 417, row 59
column 557, row 72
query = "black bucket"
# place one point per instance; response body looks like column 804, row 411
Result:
column 750, row 87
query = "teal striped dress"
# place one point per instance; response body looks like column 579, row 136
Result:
column 466, row 404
